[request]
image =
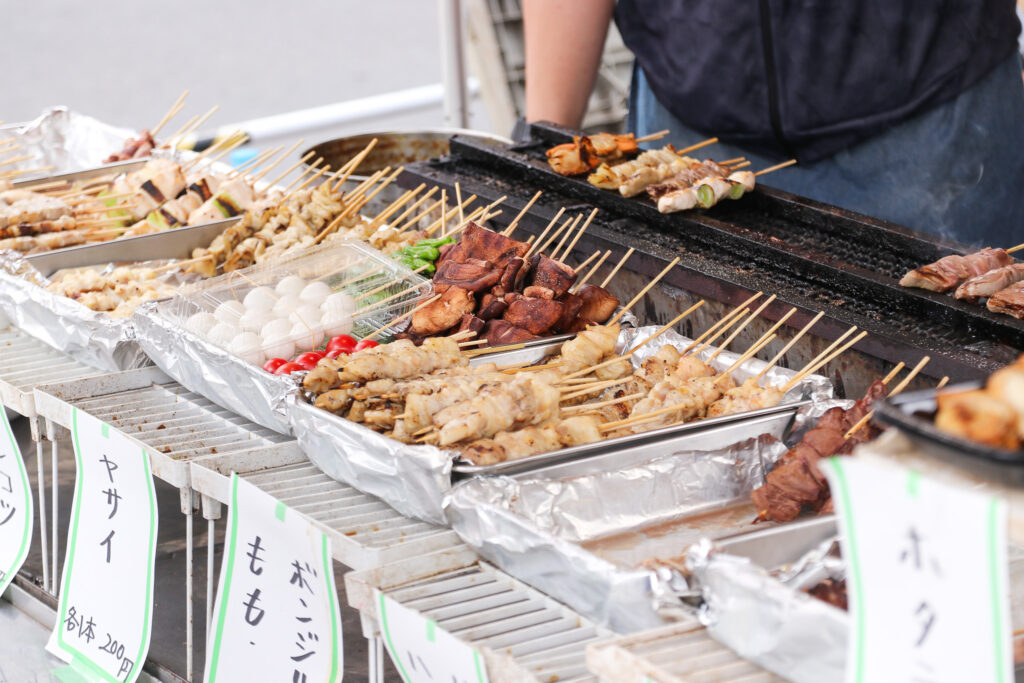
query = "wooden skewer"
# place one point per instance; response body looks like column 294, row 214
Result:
column 1016, row 248
column 774, row 328
column 776, row 167
column 565, row 236
column 291, row 168
column 200, row 121
column 770, row 364
column 254, row 162
column 386, row 285
column 942, row 382
column 585, row 407
column 390, row 298
column 475, row 342
column 750, row 318
column 171, row 113
column 465, row 334
column 307, row 182
column 644, row 291
column 14, row 160
column 577, row 391
column 515, row 221
column 420, row 216
column 477, row 215
column 587, row 262
column 309, row 169
column 653, row 136
column 622, row 261
column 660, row 331
column 274, row 165
column 579, row 234
column 739, row 166
column 458, row 200
column 216, row 151
column 831, row 347
column 407, row 314
column 171, row 140
column 531, row 368
column 415, row 205
column 814, row 368
column 354, row 162
column 486, row 211
column 713, row 332
column 892, row 373
column 396, row 205
column 53, row 184
column 543, row 234
column 356, row 278
column 494, row 349
column 446, row 216
column 640, row 419
column 582, row 281
column 703, row 143
column 26, row 171
column 899, row 387
column 747, row 355
column 730, row 162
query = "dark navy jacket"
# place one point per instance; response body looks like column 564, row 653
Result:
column 809, row 78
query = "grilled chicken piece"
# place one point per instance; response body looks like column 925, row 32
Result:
column 1009, row 301
column 613, row 147
column 553, row 275
column 598, row 303
column 486, row 245
column 576, row 157
column 500, row 332
column 159, row 179
column 989, row 283
column 950, row 271
column 533, row 314
column 473, row 275
column 978, row 416
column 444, row 313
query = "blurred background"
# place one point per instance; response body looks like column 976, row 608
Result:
column 125, row 63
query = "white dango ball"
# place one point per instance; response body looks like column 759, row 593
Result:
column 249, row 347
column 314, row 293
column 278, row 327
column 253, row 320
column 290, row 285
column 307, row 314
column 335, row 322
column 305, row 338
column 286, row 304
column 222, row 334
column 280, row 346
column 260, row 299
column 229, row 312
column 338, row 303
column 200, row 323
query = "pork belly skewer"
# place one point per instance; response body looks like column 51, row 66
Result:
column 950, row 271
column 988, row 283
column 1009, row 301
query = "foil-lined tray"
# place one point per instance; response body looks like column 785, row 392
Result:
column 65, row 139
column 417, row 479
column 755, row 602
column 218, row 374
column 91, row 337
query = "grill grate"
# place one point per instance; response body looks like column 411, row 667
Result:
column 488, row 609
column 25, row 363
column 674, row 654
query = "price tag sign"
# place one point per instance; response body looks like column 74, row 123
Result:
column 424, row 653
column 15, row 506
column 927, row 576
column 276, row 616
column 106, row 601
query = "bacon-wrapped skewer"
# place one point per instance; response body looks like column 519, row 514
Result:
column 707, row 192
column 949, row 271
column 987, row 284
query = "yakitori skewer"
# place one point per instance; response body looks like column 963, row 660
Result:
column 642, row 292
column 579, row 234
column 178, row 105
column 407, row 314
column 583, row 280
column 515, row 221
column 615, row 270
column 814, row 365
column 897, row 389
column 544, row 232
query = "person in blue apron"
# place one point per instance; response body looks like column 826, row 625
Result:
column 900, row 109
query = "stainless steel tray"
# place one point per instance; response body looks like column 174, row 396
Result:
column 87, row 174
column 645, row 445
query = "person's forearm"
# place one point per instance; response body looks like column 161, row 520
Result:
column 564, row 41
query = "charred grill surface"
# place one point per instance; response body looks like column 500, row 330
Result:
column 812, row 256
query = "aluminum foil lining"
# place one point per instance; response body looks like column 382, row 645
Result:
column 534, row 528
column 88, row 336
column 773, row 625
column 224, row 378
column 65, row 139
column 367, row 455
column 412, row 479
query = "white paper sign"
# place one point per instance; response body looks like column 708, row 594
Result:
column 105, row 611
column 424, row 653
column 15, row 506
column 927, row 577
column 276, row 616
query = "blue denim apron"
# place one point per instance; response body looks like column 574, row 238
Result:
column 955, row 171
